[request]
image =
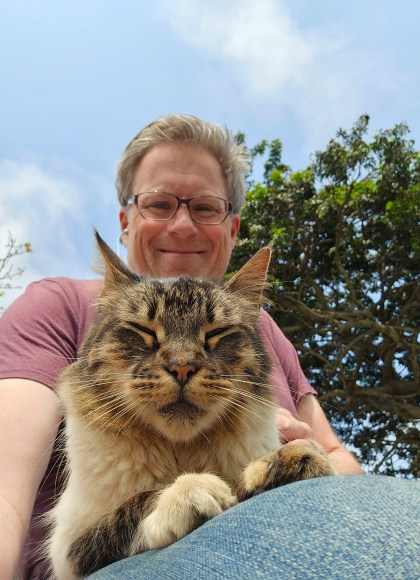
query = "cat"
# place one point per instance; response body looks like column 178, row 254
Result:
column 170, row 418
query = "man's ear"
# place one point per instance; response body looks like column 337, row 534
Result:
column 234, row 230
column 123, row 219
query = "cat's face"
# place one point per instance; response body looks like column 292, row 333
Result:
column 181, row 356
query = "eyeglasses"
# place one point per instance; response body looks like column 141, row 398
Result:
column 162, row 206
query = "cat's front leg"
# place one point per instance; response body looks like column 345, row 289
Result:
column 290, row 463
column 107, row 541
column 182, row 507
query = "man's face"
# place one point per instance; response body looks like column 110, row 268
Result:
column 163, row 249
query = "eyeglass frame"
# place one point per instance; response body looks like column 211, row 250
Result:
column 228, row 207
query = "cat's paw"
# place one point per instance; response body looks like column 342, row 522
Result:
column 292, row 462
column 185, row 505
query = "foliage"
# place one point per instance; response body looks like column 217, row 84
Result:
column 345, row 282
column 8, row 271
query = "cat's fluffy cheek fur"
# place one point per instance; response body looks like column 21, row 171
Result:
column 182, row 507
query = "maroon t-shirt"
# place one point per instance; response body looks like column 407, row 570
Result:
column 39, row 336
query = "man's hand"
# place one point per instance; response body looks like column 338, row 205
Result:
column 290, row 428
column 312, row 427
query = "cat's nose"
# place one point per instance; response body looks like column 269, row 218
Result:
column 182, row 373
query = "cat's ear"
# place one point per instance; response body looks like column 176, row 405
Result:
column 251, row 279
column 113, row 269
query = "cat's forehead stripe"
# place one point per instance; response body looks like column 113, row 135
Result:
column 152, row 309
column 210, row 314
column 180, row 298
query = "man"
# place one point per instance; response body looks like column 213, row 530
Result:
column 181, row 246
column 179, row 158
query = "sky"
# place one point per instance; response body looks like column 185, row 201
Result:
column 79, row 79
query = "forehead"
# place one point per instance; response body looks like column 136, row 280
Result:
column 179, row 168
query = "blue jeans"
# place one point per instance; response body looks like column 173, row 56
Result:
column 340, row 527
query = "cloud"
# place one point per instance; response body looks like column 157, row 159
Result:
column 260, row 40
column 28, row 195
column 47, row 210
column 322, row 77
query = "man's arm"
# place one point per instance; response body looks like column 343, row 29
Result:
column 29, row 419
column 311, row 424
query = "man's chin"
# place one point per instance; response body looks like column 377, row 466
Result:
column 175, row 264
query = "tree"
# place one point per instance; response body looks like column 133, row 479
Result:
column 8, row 272
column 345, row 282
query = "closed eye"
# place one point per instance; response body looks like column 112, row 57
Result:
column 143, row 329
column 217, row 331
column 213, row 336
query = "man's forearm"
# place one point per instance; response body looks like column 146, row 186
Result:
column 12, row 537
column 344, row 462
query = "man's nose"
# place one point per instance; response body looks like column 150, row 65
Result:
column 182, row 219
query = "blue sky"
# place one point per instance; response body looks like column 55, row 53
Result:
column 79, row 79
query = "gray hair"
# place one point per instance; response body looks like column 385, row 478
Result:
column 232, row 156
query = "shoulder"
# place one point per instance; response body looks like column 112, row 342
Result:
column 269, row 330
column 275, row 341
column 72, row 288
column 284, row 357
column 57, row 294
column 51, row 305
column 40, row 333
